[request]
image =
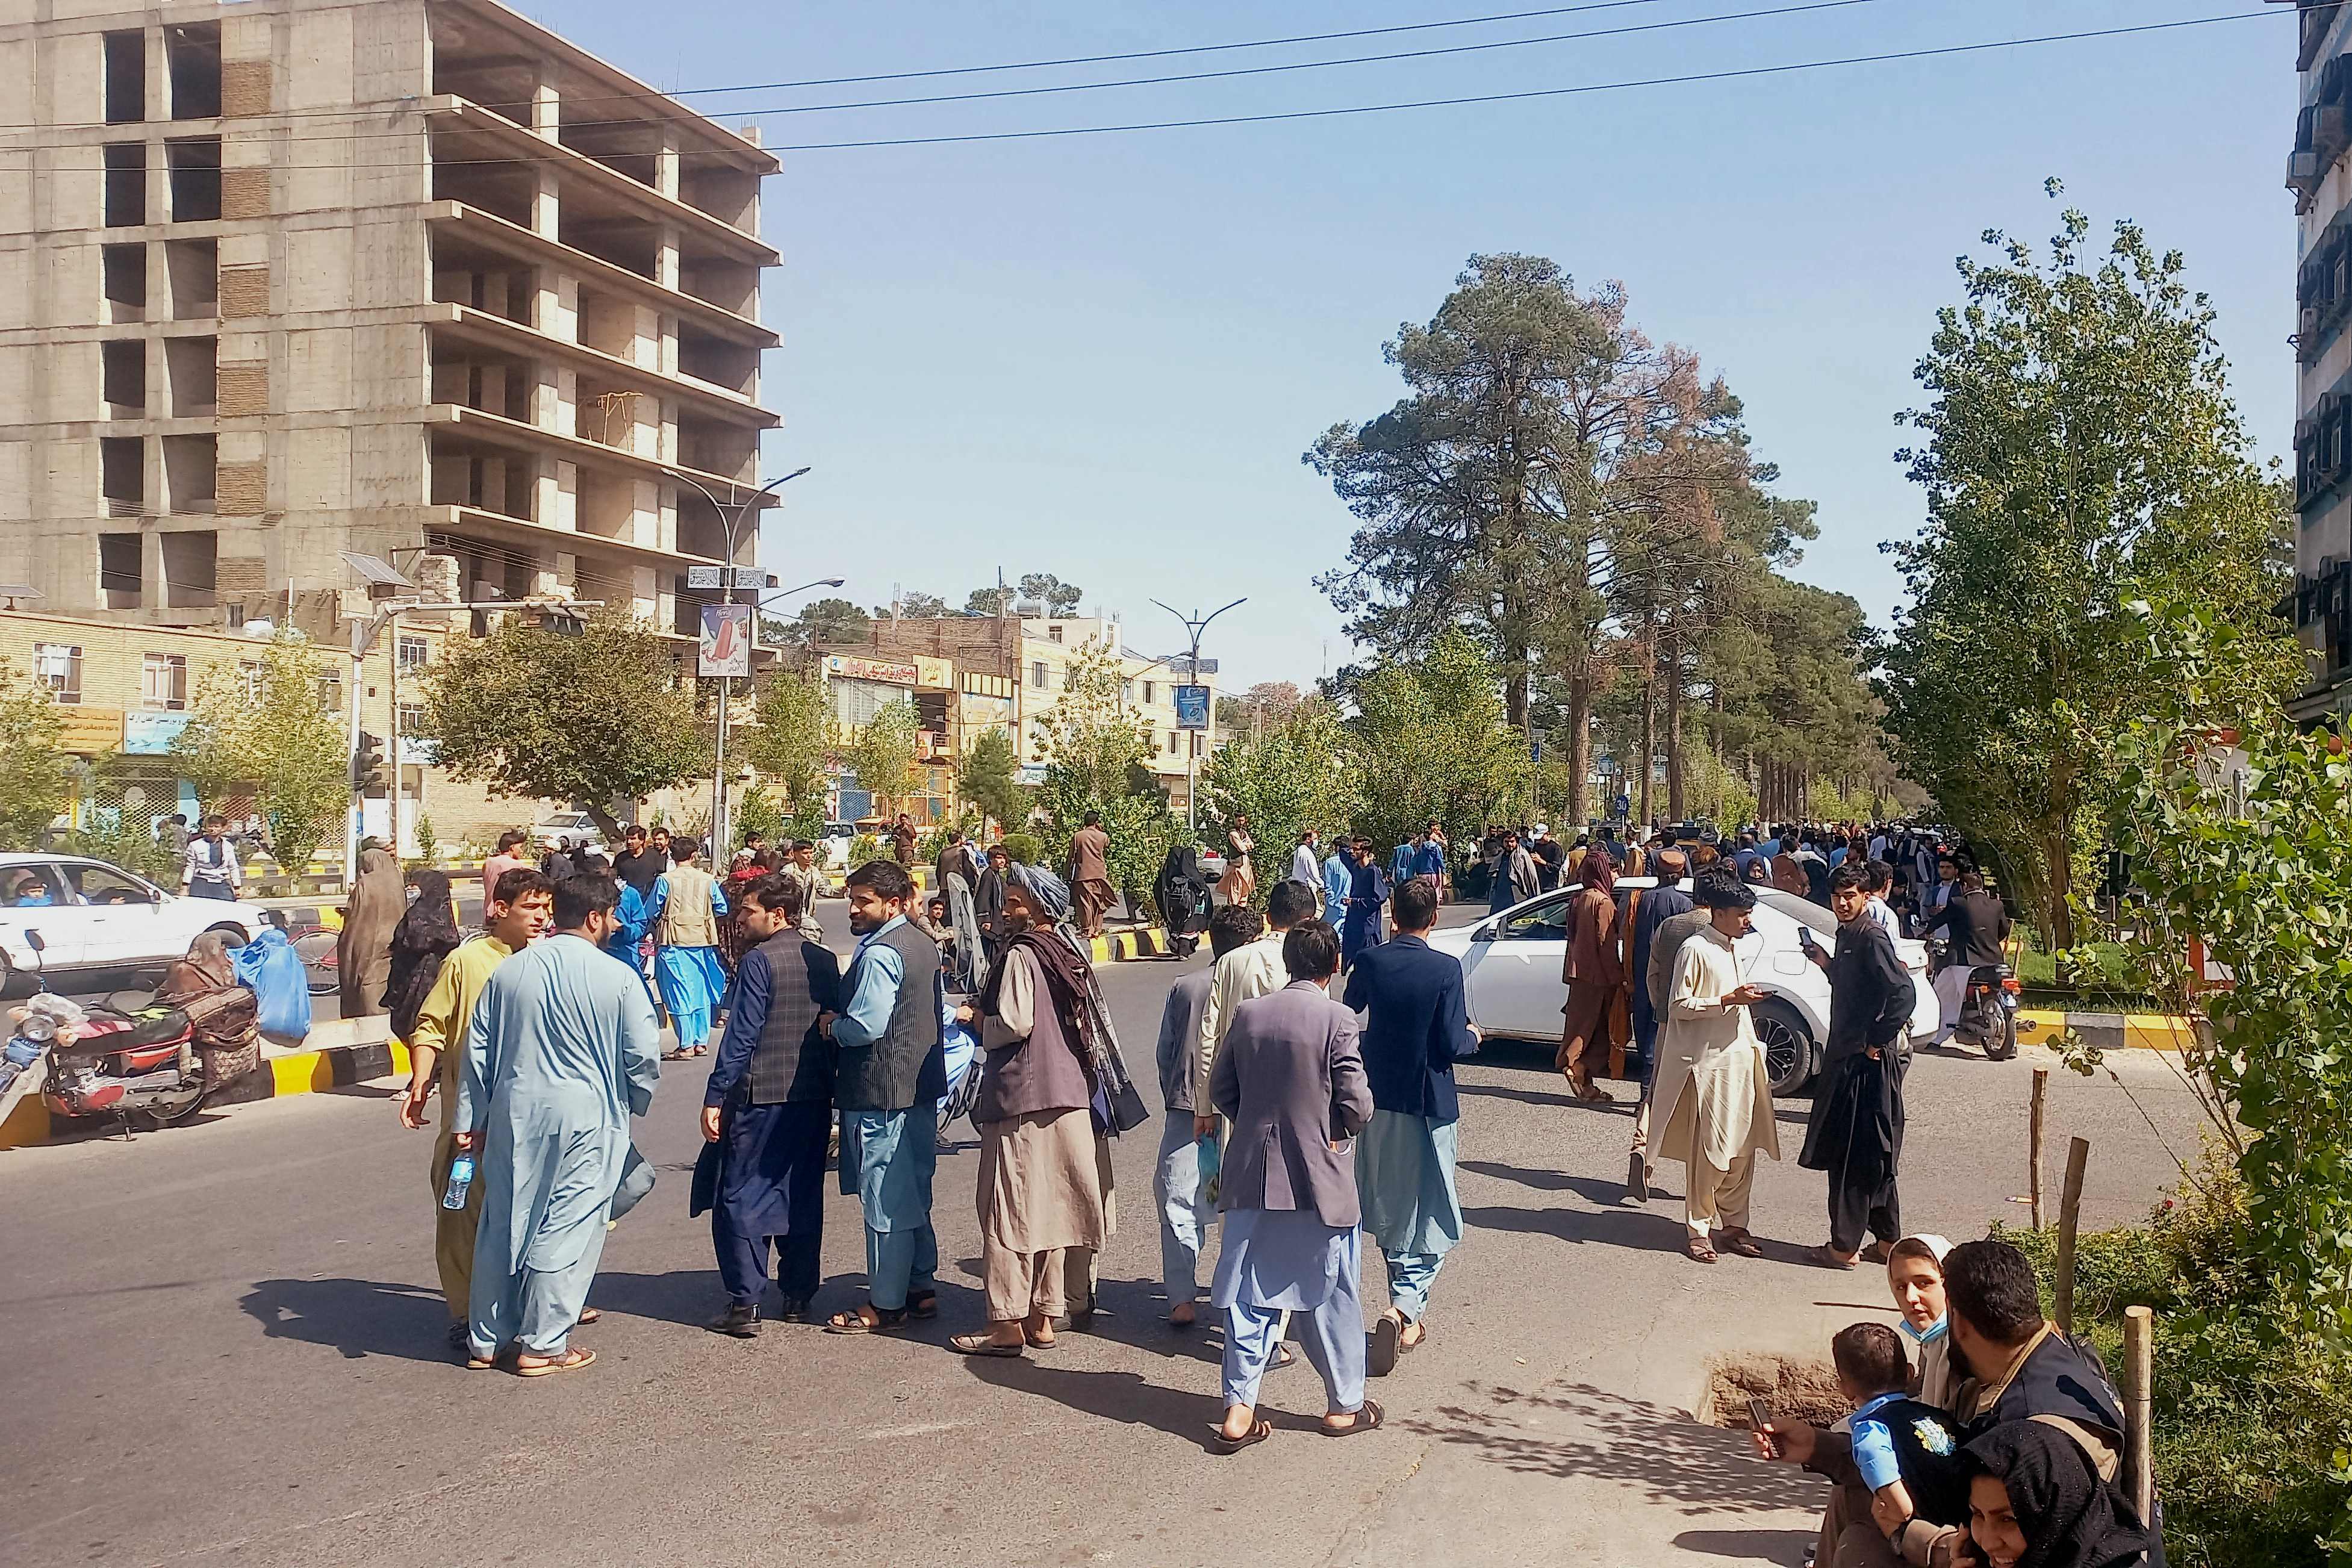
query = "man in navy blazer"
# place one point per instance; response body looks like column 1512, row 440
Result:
column 1416, row 1026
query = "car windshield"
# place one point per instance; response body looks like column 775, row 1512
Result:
column 1804, row 912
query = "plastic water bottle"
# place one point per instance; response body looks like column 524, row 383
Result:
column 461, row 1176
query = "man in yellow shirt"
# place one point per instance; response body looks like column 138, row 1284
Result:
column 516, row 912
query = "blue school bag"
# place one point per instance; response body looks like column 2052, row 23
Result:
column 271, row 968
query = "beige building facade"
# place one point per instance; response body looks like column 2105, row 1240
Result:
column 2320, row 175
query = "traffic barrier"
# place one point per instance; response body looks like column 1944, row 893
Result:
column 2108, row 1031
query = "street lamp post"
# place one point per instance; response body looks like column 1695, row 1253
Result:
column 728, row 524
column 1195, row 624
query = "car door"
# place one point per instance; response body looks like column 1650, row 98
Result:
column 127, row 925
column 1512, row 977
column 33, row 897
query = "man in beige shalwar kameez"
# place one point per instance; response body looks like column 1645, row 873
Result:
column 1714, row 1089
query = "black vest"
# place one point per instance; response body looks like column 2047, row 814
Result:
column 1928, row 1451
column 791, row 1063
column 908, row 1064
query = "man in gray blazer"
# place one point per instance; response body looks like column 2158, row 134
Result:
column 1291, row 1081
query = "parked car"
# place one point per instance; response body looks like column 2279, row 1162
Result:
column 94, row 919
column 1511, row 963
column 577, row 827
column 833, row 848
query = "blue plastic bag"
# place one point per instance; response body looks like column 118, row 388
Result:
column 271, row 968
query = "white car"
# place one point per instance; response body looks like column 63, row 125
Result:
column 92, row 916
column 1511, row 963
column 576, row 829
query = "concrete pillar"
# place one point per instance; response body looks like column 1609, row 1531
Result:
column 565, row 497
column 644, row 514
column 644, row 592
column 666, row 258
column 665, row 162
column 546, row 105
column 545, row 201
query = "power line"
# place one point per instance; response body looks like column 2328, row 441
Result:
column 1532, row 93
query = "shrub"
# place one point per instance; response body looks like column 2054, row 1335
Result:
column 1025, row 849
column 865, row 847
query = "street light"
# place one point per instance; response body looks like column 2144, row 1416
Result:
column 728, row 524
column 1196, row 623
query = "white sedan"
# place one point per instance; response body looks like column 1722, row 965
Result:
column 93, row 918
column 1512, row 962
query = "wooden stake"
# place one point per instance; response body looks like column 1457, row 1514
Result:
column 2139, row 1407
column 2033, row 1143
column 2070, row 1216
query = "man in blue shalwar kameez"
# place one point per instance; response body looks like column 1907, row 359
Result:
column 562, row 1050
column 887, row 1077
column 1339, row 880
column 1416, row 1024
column 1367, row 889
column 686, row 908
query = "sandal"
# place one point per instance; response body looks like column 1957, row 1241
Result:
column 854, row 1322
column 1283, row 1356
column 1740, row 1242
column 1368, row 1419
column 1876, row 1252
column 1386, row 1347
column 1699, row 1251
column 1406, row 1346
column 1822, row 1258
column 981, row 1346
column 570, row 1361
column 923, row 1304
column 587, row 1316
column 1258, row 1432
column 678, row 1056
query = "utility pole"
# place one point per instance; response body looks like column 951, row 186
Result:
column 1194, row 624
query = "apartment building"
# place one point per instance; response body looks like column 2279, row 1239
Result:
column 2320, row 176
column 283, row 279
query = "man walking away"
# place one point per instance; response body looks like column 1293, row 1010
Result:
column 1185, row 1207
column 1340, row 876
column 1593, row 968
column 1855, row 1130
column 1429, row 858
column 1292, row 1082
column 685, row 910
column 1711, row 1075
column 1304, row 867
column 561, row 1051
column 891, row 1070
column 516, row 914
column 1666, row 905
column 1090, row 875
column 767, row 1110
column 1252, row 969
column 1400, row 862
column 1416, row 1025
column 1368, row 891
column 209, row 869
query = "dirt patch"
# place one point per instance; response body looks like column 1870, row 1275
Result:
column 1803, row 1391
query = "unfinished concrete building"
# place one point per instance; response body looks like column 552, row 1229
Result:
column 284, row 278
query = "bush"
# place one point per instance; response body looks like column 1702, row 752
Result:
column 131, row 848
column 1025, row 849
column 865, row 847
column 2253, row 1420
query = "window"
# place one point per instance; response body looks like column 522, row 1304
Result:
column 330, row 693
column 194, row 163
column 163, row 681
column 410, row 717
column 1150, row 690
column 30, row 886
column 126, row 77
column 105, row 885
column 1037, row 674
column 122, row 377
column 56, row 668
column 119, row 564
column 124, row 195
column 1547, row 921
column 249, row 675
column 1053, row 633
column 412, row 653
column 1126, row 692
column 1171, row 743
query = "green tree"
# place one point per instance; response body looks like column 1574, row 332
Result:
column 1287, row 775
column 261, row 724
column 883, row 754
column 1096, row 748
column 988, row 600
column 820, row 621
column 1060, row 598
column 789, row 743
column 589, row 718
column 36, row 777
column 1433, row 742
column 2082, row 450
column 990, row 778
column 917, row 606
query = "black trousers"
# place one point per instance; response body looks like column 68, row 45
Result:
column 1855, row 1209
column 770, row 1184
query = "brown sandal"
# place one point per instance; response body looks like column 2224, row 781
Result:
column 1740, row 1242
column 1822, row 1258
column 570, row 1361
column 1699, row 1251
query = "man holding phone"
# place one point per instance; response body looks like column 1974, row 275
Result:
column 1855, row 1131
column 1712, row 1081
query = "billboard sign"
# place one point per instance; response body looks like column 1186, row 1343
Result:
column 1192, row 708
column 726, row 641
column 880, row 671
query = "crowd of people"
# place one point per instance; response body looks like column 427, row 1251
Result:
column 1307, row 1079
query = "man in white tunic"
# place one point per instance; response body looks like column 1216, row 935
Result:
column 1713, row 1086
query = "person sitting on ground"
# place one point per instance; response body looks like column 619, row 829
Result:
column 1906, row 1451
column 1914, row 1272
column 2035, row 1501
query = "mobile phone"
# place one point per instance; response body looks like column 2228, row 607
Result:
column 1805, row 938
column 1759, row 1419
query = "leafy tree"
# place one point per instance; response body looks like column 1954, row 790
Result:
column 821, row 621
column 590, row 717
column 883, row 754
column 2083, row 450
column 1090, row 738
column 789, row 743
column 1288, row 775
column 990, row 778
column 267, row 729
column 1433, row 743
column 36, row 777
column 988, row 600
column 1061, row 598
column 920, row 606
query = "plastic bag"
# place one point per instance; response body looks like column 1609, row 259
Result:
column 271, row 968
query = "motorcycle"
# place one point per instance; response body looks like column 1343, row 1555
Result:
column 99, row 1061
column 1988, row 1015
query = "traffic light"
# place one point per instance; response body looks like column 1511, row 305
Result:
column 367, row 766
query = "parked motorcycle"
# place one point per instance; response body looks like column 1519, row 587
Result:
column 1988, row 1015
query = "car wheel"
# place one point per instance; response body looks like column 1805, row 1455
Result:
column 236, row 934
column 1788, row 1048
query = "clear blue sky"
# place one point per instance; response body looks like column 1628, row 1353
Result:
column 1102, row 356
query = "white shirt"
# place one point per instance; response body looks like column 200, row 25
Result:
column 1303, row 867
column 211, row 860
column 1247, row 972
column 1888, row 920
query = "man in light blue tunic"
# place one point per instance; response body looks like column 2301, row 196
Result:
column 1339, row 880
column 890, row 1074
column 686, row 908
column 1292, row 1082
column 562, row 1050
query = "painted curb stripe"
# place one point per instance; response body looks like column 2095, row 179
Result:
column 299, row 1072
column 2108, row 1031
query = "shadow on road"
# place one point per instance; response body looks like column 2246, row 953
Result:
column 1749, row 1545
column 1658, row 1451
column 1121, row 1396
column 356, row 1317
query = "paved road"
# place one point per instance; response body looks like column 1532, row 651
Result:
column 222, row 1346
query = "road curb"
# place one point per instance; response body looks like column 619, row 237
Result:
column 2108, row 1031
column 299, row 1071
column 1115, row 946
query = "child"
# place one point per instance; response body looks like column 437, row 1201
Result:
column 1907, row 1451
column 1914, row 1273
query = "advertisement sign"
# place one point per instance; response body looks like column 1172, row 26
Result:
column 1032, row 773
column 728, row 577
column 151, row 734
column 934, row 674
column 876, row 670
column 726, row 641
column 1192, row 708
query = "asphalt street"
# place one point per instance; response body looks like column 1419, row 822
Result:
column 223, row 1344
